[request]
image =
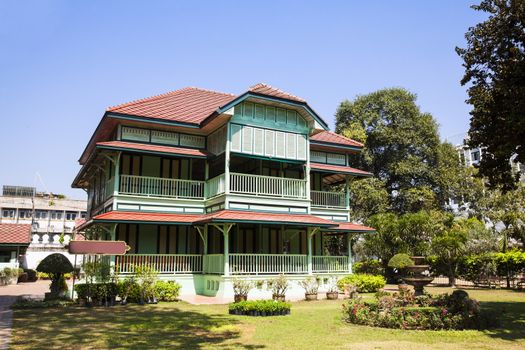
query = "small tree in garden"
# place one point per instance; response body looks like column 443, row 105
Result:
column 146, row 278
column 278, row 286
column 241, row 288
column 55, row 265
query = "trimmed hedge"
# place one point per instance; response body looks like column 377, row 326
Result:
column 260, row 308
column 363, row 282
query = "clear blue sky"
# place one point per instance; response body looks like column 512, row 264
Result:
column 63, row 62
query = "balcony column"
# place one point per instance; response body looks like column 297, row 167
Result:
column 310, row 232
column 116, row 184
column 203, row 232
column 347, row 192
column 349, row 242
column 227, row 167
column 225, row 229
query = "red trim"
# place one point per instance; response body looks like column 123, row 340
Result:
column 153, row 148
column 339, row 169
column 351, row 227
column 326, row 136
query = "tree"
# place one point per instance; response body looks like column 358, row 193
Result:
column 494, row 62
column 55, row 265
column 400, row 142
column 367, row 197
column 451, row 245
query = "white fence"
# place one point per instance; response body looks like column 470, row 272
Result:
column 329, row 264
column 163, row 263
column 160, row 187
column 267, row 186
column 328, row 199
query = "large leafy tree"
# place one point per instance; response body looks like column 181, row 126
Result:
column 402, row 149
column 494, row 62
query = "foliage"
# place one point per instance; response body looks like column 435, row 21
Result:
column 97, row 292
column 371, row 267
column 32, row 275
column 401, row 148
column 241, row 286
column 56, row 265
column 260, row 307
column 450, row 246
column 167, row 290
column 97, row 270
column 455, row 311
column 10, row 273
column 368, row 196
column 310, row 285
column 363, row 282
column 41, row 304
column 400, row 261
column 494, row 62
column 146, row 277
column 278, row 285
column 129, row 290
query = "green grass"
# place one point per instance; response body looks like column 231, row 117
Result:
column 312, row 325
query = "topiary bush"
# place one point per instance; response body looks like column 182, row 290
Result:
column 363, row 282
column 55, row 265
column 400, row 261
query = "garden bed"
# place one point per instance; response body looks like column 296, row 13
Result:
column 260, row 308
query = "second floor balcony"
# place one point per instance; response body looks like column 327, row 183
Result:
column 253, row 185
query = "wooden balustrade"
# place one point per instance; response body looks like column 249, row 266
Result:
column 329, row 264
column 270, row 186
column 255, row 264
column 215, row 186
column 328, row 199
column 160, row 187
column 162, row 263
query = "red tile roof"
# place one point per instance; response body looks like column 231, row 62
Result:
column 115, row 216
column 339, row 169
column 325, row 136
column 268, row 90
column 153, row 148
column 188, row 105
column 15, row 233
column 351, row 227
column 259, row 217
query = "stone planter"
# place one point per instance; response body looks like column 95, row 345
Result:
column 332, row 295
column 310, row 297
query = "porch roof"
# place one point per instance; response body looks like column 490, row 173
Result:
column 154, row 149
column 261, row 217
column 351, row 227
column 324, row 139
column 15, row 234
column 126, row 217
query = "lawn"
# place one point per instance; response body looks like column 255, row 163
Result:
column 312, row 325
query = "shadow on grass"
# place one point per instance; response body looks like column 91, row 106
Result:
column 132, row 326
column 512, row 317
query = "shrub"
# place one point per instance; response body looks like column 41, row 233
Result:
column 167, row 290
column 278, row 286
column 40, row 304
column 363, row 282
column 400, row 261
column 97, row 292
column 371, row 267
column 241, row 287
column 55, row 265
column 32, row 275
column 260, row 307
column 310, row 285
column 129, row 290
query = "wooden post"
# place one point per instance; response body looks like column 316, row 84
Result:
column 227, row 167
column 203, row 232
column 347, row 193
column 309, row 234
column 225, row 229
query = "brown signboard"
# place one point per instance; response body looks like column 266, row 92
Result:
column 98, row 247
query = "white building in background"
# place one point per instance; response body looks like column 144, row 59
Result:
column 52, row 218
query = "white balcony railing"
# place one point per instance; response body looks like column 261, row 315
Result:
column 329, row 264
column 214, row 263
column 215, row 186
column 160, row 187
column 328, row 199
column 255, row 264
column 162, row 263
column 267, row 186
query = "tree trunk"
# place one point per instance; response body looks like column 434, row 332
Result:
column 451, row 277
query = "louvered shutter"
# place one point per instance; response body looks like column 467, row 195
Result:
column 301, row 147
column 280, row 144
column 258, row 141
column 291, row 146
column 247, row 139
column 269, row 143
column 235, row 137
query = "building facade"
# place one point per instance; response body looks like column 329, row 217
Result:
column 205, row 186
column 51, row 218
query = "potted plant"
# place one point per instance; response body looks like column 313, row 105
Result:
column 311, row 286
column 241, row 288
column 278, row 286
column 332, row 290
column 56, row 265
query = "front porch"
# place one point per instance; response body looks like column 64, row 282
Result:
column 238, row 264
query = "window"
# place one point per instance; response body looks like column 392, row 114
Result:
column 83, row 214
column 8, row 213
column 5, row 257
column 475, row 156
column 24, row 214
column 71, row 215
column 56, row 215
column 41, row 214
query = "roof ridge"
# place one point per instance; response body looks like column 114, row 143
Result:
column 159, row 96
column 276, row 89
